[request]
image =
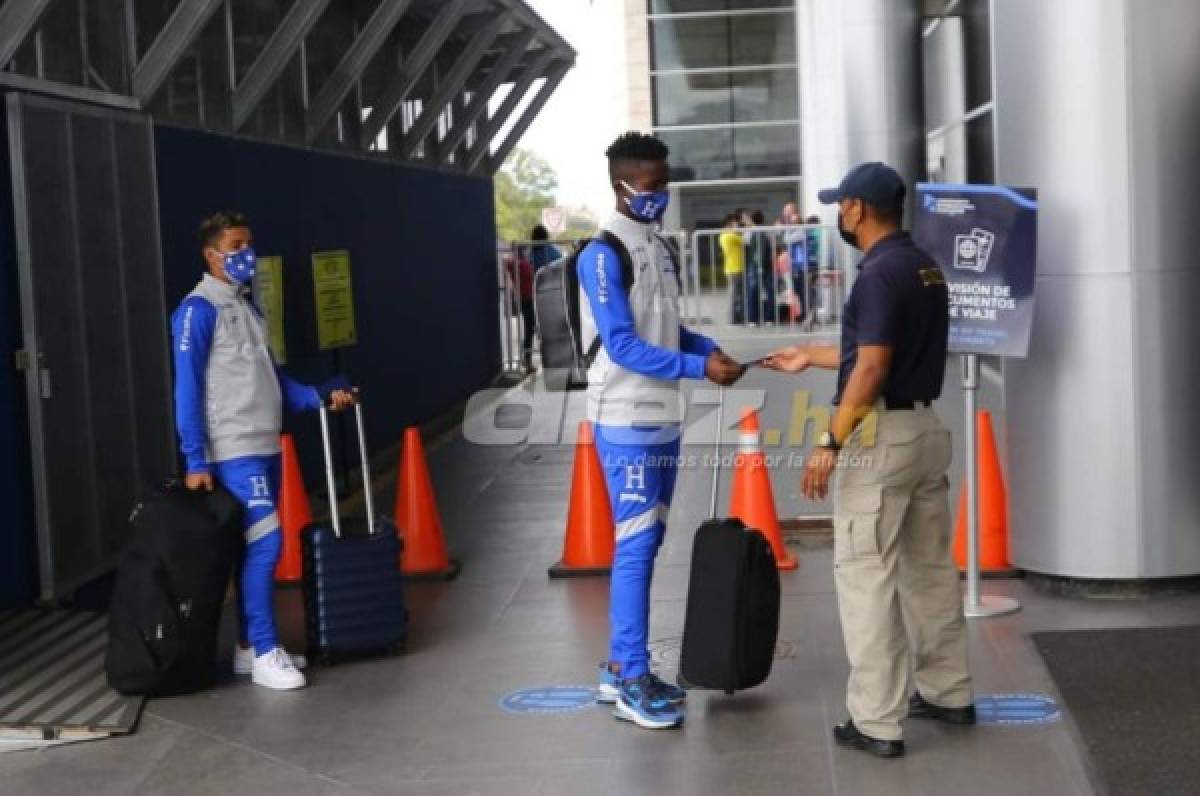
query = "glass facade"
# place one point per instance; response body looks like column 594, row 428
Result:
column 726, row 153
column 694, row 6
column 766, row 95
column 725, row 87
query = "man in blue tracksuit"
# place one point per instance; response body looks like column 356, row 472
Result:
column 636, row 409
column 229, row 400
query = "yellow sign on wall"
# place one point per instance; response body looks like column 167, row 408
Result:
column 335, row 299
column 268, row 295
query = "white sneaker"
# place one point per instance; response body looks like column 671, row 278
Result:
column 243, row 659
column 275, row 670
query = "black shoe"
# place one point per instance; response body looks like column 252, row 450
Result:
column 848, row 735
column 919, row 708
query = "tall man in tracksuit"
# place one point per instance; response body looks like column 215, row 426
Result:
column 229, row 399
column 636, row 409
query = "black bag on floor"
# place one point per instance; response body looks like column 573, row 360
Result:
column 565, row 357
column 732, row 618
column 353, row 589
column 167, row 601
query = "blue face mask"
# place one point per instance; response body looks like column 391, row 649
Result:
column 649, row 206
column 240, row 265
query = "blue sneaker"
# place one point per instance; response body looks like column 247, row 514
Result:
column 641, row 702
column 609, row 687
column 669, row 691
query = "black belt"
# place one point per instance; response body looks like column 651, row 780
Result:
column 897, row 405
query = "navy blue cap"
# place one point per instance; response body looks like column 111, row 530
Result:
column 875, row 183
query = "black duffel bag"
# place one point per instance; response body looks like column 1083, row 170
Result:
column 167, row 602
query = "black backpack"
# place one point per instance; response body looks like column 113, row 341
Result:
column 167, row 601
column 565, row 359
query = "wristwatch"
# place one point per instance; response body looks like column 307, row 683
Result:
column 827, row 440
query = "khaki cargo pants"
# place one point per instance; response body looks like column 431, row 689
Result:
column 897, row 586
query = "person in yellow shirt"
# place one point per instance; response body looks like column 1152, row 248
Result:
column 733, row 251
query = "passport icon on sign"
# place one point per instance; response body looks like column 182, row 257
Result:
column 972, row 252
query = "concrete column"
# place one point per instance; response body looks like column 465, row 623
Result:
column 1096, row 106
column 860, row 89
column 637, row 66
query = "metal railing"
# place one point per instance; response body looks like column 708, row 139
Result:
column 793, row 280
column 518, row 343
column 790, row 279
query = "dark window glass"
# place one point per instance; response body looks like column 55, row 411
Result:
column 686, row 6
column 766, row 96
column 767, row 151
column 700, row 154
column 731, row 153
column 693, row 99
column 981, row 150
column 763, row 39
column 714, row 42
column 690, row 43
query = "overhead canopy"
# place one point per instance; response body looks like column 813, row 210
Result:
column 414, row 80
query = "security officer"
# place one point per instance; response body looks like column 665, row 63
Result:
column 892, row 560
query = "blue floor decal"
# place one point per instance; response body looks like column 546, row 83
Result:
column 1017, row 709
column 550, row 699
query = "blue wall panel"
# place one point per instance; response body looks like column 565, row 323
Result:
column 422, row 248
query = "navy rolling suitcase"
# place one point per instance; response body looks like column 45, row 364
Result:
column 353, row 589
column 732, row 616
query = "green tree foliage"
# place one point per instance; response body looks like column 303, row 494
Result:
column 578, row 228
column 524, row 186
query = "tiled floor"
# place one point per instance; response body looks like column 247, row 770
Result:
column 429, row 722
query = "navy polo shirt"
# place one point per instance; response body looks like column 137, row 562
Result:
column 900, row 300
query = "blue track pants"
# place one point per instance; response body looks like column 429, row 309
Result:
column 254, row 481
column 639, row 466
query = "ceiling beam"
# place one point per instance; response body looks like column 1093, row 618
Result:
column 497, row 119
column 397, row 91
column 18, row 18
column 531, row 19
column 349, row 70
column 553, row 79
column 482, row 94
column 451, row 85
column 274, row 58
column 172, row 42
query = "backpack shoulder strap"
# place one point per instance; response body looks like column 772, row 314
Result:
column 673, row 253
column 618, row 246
column 627, row 276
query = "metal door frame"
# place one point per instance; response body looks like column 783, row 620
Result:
column 30, row 358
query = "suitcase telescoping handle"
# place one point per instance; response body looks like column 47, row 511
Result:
column 366, row 469
column 716, row 469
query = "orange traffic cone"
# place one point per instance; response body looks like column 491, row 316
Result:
column 752, row 500
column 294, row 513
column 417, row 521
column 993, row 508
column 591, row 533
